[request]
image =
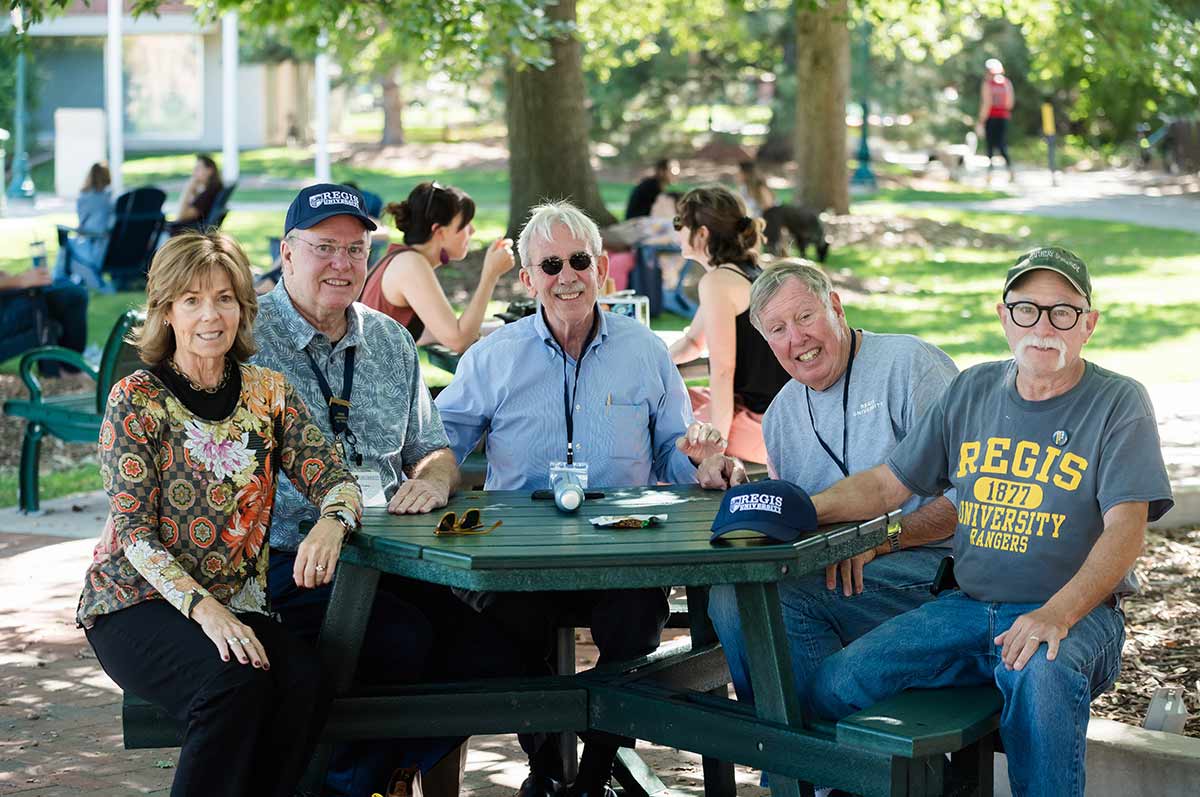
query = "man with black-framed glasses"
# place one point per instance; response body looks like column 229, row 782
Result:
column 1057, row 468
column 572, row 388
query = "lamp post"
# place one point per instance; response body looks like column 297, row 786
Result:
column 21, row 186
column 863, row 177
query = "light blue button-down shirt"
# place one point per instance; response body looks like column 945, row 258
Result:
column 630, row 407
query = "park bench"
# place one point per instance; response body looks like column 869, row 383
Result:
column 72, row 417
column 897, row 747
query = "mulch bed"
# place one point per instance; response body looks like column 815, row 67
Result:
column 1162, row 636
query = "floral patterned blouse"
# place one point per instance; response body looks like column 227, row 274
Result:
column 190, row 499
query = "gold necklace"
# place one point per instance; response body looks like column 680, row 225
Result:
column 200, row 388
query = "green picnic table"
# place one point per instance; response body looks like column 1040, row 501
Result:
column 670, row 697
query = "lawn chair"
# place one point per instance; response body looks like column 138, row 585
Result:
column 73, row 417
column 219, row 210
column 684, row 298
column 137, row 221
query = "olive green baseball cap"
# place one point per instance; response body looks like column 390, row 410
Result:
column 1056, row 259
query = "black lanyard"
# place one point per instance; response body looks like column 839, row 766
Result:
column 839, row 461
column 339, row 406
column 568, row 399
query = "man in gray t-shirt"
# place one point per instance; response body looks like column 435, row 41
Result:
column 852, row 397
column 1057, row 467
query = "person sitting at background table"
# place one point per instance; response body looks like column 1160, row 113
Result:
column 338, row 353
column 646, row 192
column 753, row 190
column 79, row 260
column 624, row 418
column 197, row 197
column 436, row 222
column 744, row 375
column 175, row 600
column 22, row 299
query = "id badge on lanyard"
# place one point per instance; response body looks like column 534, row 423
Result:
column 371, row 485
column 578, row 469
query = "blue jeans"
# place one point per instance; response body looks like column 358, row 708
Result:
column 820, row 622
column 948, row 642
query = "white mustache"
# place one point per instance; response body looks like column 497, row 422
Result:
column 1042, row 343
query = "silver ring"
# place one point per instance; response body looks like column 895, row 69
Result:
column 231, row 639
column 245, row 640
column 1035, row 638
column 319, row 568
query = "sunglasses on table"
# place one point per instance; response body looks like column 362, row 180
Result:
column 580, row 261
column 471, row 522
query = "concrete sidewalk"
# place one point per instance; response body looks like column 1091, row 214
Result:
column 60, row 728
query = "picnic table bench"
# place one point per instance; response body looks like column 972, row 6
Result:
column 73, row 417
column 675, row 696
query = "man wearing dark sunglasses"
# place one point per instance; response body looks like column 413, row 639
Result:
column 576, row 387
column 1057, row 468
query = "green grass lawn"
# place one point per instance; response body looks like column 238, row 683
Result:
column 1147, row 282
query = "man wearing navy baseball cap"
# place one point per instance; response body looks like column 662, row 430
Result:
column 357, row 371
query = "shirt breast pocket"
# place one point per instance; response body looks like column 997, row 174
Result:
column 628, row 432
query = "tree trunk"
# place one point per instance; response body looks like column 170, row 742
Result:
column 548, row 127
column 780, row 143
column 822, row 80
column 393, row 111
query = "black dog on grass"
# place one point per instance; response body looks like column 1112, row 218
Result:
column 803, row 225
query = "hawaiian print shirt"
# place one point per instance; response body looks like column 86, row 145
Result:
column 190, row 499
column 392, row 414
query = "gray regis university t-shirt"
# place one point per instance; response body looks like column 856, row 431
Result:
column 894, row 381
column 1034, row 478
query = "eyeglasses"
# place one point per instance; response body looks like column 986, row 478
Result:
column 580, row 261
column 1027, row 314
column 471, row 523
column 356, row 251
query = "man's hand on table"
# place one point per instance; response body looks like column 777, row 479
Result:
column 1028, row 632
column 417, row 496
column 702, row 440
column 720, row 472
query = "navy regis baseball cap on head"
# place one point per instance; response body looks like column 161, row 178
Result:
column 322, row 201
column 778, row 510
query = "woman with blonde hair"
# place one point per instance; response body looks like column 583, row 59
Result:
column 744, row 376
column 175, row 600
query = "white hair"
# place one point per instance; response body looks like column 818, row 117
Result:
column 545, row 217
column 777, row 274
column 994, row 65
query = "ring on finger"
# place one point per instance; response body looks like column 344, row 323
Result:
column 319, row 568
column 245, row 640
column 1035, row 638
column 231, row 639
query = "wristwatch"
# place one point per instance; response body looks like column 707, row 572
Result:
column 893, row 536
column 342, row 516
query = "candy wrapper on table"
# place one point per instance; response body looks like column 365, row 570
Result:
column 627, row 521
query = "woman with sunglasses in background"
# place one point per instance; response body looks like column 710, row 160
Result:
column 436, row 222
column 744, row 375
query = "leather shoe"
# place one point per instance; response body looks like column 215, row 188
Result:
column 541, row 786
column 578, row 789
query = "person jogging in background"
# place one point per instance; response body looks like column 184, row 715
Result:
column 996, row 99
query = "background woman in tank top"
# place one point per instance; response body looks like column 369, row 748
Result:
column 744, row 376
column 996, row 98
column 436, row 222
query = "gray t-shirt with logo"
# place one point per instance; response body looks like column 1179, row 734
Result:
column 1034, row 478
column 895, row 379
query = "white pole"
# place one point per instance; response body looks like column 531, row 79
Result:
column 114, row 97
column 324, row 174
column 229, row 94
